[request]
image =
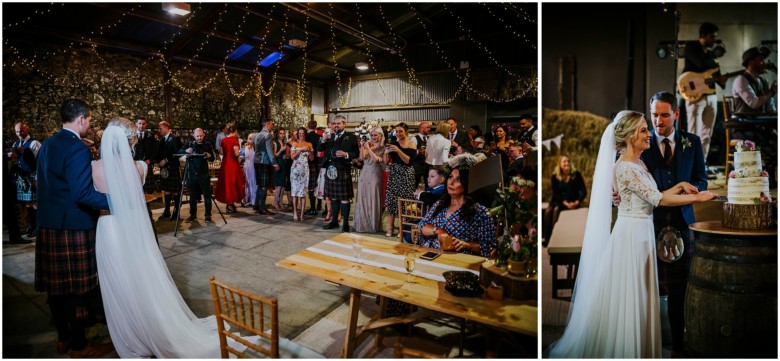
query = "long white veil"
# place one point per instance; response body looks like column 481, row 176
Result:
column 145, row 312
column 595, row 240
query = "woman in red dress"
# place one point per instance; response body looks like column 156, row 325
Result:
column 231, row 182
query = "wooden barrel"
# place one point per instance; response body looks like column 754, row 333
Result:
column 731, row 300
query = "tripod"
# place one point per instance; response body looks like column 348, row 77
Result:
column 181, row 191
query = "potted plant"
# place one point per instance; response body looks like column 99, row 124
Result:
column 515, row 206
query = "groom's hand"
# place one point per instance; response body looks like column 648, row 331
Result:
column 689, row 188
column 615, row 199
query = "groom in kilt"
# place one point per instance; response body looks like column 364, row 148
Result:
column 68, row 204
column 340, row 149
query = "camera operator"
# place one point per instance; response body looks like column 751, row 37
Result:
column 23, row 155
column 199, row 153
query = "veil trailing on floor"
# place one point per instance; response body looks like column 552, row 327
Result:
column 595, row 240
column 145, row 312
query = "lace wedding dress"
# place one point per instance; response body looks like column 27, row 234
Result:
column 145, row 312
column 615, row 311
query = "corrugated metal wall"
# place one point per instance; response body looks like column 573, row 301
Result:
column 396, row 91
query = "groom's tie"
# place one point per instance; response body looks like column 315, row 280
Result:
column 667, row 151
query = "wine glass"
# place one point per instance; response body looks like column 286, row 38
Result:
column 409, row 261
column 357, row 250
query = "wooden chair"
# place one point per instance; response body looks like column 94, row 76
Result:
column 256, row 315
column 410, row 212
column 730, row 125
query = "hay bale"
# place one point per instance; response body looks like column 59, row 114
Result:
column 582, row 135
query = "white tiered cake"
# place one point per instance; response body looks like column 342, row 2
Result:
column 749, row 200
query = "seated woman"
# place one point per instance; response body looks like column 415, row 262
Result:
column 568, row 192
column 457, row 221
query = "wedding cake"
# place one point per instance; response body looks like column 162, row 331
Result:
column 749, row 201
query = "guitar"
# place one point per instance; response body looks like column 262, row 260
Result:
column 692, row 86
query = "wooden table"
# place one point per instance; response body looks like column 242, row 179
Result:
column 512, row 315
column 565, row 247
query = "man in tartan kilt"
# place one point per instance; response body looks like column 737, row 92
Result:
column 23, row 154
column 340, row 149
column 65, row 263
column 265, row 163
column 170, row 179
column 314, row 166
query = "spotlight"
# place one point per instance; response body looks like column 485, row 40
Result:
column 361, row 65
column 180, row 9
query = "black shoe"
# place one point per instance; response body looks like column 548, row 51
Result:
column 345, row 228
column 30, row 236
column 311, row 213
column 190, row 219
column 330, row 226
column 208, row 219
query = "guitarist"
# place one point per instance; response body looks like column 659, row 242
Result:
column 699, row 58
column 752, row 94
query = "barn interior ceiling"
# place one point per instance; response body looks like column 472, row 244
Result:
column 310, row 42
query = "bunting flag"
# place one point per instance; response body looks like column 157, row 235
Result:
column 557, row 140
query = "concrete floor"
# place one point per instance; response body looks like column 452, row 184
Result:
column 242, row 252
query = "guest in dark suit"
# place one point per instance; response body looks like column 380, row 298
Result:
column 65, row 261
column 458, row 138
column 674, row 156
column 340, row 149
column 265, row 163
column 418, row 162
column 516, row 162
column 198, row 178
column 170, row 179
column 146, row 150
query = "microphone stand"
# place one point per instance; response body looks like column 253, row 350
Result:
column 181, row 190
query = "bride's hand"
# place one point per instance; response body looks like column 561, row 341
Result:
column 704, row 196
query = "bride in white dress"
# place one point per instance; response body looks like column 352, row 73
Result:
column 145, row 312
column 615, row 310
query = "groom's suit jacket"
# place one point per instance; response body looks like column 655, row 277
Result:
column 67, row 198
column 687, row 165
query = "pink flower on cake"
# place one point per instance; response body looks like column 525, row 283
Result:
column 746, row 146
column 733, row 174
column 764, row 173
column 764, row 199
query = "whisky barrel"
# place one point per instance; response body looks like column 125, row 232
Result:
column 731, row 299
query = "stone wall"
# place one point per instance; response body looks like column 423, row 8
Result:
column 37, row 78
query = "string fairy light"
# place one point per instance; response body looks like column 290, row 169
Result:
column 343, row 100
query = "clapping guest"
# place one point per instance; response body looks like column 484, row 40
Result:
column 368, row 207
column 249, row 170
column 400, row 182
column 280, row 152
column 476, row 140
column 301, row 153
column 231, row 182
column 457, row 222
column 568, row 192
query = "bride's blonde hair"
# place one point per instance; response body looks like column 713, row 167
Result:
column 627, row 123
column 128, row 127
